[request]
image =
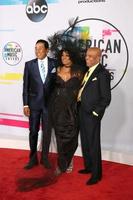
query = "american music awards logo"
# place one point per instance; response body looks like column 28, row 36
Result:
column 12, row 53
column 93, row 32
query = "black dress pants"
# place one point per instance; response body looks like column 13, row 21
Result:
column 90, row 142
column 37, row 116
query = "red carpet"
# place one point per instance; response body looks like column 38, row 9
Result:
column 117, row 182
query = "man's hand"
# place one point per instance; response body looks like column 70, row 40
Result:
column 26, row 111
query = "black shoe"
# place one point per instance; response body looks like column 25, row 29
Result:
column 45, row 163
column 84, row 171
column 93, row 181
column 30, row 165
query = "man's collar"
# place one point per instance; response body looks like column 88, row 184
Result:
column 45, row 60
column 93, row 67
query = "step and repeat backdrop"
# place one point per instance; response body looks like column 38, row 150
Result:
column 101, row 23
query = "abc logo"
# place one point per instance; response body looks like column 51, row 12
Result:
column 36, row 10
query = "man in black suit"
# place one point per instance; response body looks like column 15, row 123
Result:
column 38, row 82
column 94, row 96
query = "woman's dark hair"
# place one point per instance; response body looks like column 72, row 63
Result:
column 74, row 57
column 71, row 54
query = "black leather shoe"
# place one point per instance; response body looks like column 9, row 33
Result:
column 30, row 165
column 46, row 163
column 93, row 181
column 84, row 171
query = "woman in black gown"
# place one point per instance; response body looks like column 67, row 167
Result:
column 63, row 109
column 63, row 115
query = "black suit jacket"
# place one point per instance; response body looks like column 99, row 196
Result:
column 96, row 95
column 35, row 92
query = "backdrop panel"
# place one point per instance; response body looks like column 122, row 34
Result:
column 103, row 23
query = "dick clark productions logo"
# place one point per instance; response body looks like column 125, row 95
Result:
column 36, row 10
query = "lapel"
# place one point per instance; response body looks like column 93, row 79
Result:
column 35, row 69
column 50, row 67
column 94, row 74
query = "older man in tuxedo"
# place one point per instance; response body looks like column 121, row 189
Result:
column 94, row 96
column 38, row 82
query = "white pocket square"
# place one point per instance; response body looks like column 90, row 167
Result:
column 53, row 70
column 94, row 79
